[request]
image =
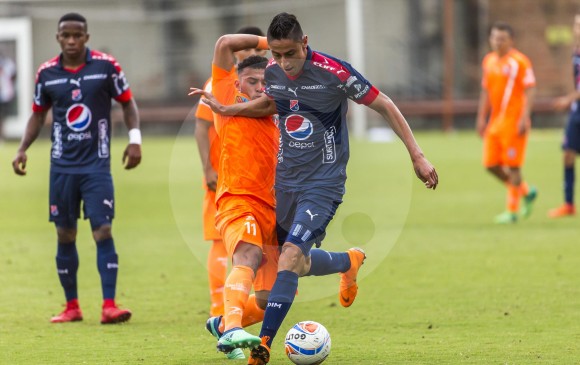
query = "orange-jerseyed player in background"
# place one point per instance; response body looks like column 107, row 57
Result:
column 508, row 87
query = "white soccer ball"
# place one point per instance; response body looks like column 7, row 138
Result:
column 307, row 343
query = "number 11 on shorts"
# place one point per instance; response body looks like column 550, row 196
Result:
column 251, row 227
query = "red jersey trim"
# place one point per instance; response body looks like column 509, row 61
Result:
column 369, row 97
column 125, row 96
column 39, row 109
column 330, row 65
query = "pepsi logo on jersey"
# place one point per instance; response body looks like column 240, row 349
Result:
column 298, row 127
column 78, row 117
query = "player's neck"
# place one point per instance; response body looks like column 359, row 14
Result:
column 74, row 62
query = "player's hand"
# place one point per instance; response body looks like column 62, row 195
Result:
column 211, row 179
column 132, row 156
column 19, row 163
column 562, row 103
column 209, row 100
column 426, row 173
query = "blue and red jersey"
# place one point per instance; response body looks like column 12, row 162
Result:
column 312, row 107
column 575, row 107
column 81, row 110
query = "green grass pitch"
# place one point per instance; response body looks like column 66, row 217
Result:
column 442, row 283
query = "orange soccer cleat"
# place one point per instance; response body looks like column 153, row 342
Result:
column 348, row 286
column 260, row 355
column 564, row 210
column 112, row 314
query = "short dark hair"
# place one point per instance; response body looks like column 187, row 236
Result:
column 251, row 30
column 256, row 62
column 285, row 26
column 502, row 26
column 74, row 17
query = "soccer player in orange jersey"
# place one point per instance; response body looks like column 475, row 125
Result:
column 503, row 118
column 245, row 196
column 208, row 145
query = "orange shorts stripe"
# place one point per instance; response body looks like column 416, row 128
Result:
column 499, row 150
column 243, row 219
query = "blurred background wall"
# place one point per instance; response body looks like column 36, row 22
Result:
column 425, row 54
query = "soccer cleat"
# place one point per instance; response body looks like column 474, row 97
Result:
column 111, row 315
column 68, row 315
column 529, row 199
column 565, row 210
column 348, row 286
column 213, row 325
column 260, row 355
column 506, row 218
column 237, row 338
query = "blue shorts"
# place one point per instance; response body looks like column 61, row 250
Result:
column 572, row 133
column 66, row 192
column 302, row 216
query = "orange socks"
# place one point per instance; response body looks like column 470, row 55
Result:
column 217, row 264
column 236, row 293
column 524, row 189
column 252, row 314
column 514, row 194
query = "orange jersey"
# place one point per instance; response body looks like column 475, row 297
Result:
column 505, row 79
column 204, row 112
column 248, row 146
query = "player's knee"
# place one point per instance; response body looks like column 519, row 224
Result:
column 247, row 254
column 102, row 232
column 291, row 259
column 66, row 235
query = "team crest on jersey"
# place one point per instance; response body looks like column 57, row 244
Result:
column 241, row 99
column 298, row 127
column 294, row 105
column 78, row 117
column 77, row 95
column 54, row 210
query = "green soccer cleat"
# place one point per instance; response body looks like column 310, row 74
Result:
column 212, row 325
column 529, row 199
column 237, row 338
column 506, row 218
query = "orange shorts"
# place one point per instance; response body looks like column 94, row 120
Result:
column 504, row 150
column 210, row 232
column 243, row 219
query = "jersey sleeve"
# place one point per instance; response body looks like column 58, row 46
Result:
column 357, row 88
column 203, row 110
column 118, row 87
column 41, row 100
column 223, row 84
column 527, row 75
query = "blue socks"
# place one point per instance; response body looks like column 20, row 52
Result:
column 108, row 265
column 325, row 263
column 279, row 303
column 67, row 265
column 569, row 184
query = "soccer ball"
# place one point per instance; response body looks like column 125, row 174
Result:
column 307, row 343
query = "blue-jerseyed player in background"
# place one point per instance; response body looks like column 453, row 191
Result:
column 309, row 90
column 78, row 85
column 571, row 144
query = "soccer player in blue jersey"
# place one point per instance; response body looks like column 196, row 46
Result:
column 78, row 85
column 309, row 90
column 571, row 144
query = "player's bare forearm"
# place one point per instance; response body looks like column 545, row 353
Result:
column 33, row 127
column 389, row 111
column 227, row 44
column 132, row 154
column 257, row 108
column 131, row 114
column 203, row 145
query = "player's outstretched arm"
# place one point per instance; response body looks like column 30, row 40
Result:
column 226, row 45
column 389, row 111
column 35, row 123
column 257, row 108
column 132, row 154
